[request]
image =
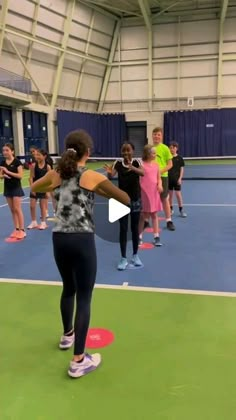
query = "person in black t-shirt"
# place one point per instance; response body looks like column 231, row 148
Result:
column 11, row 171
column 175, row 178
column 37, row 171
column 49, row 160
column 129, row 170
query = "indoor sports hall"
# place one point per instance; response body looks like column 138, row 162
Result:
column 166, row 330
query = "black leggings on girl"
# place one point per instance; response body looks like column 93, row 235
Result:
column 75, row 256
column 124, row 223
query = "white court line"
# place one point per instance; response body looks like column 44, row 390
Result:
column 5, row 205
column 189, row 205
column 124, row 287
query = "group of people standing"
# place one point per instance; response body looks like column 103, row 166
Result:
column 11, row 171
column 143, row 185
column 150, row 183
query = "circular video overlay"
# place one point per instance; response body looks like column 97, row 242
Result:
column 107, row 214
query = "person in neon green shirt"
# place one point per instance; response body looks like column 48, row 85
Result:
column 164, row 160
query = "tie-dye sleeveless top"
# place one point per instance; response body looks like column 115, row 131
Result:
column 74, row 206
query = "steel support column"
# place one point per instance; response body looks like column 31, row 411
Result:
column 146, row 12
column 3, row 17
column 221, row 44
column 28, row 71
column 60, row 64
column 84, row 61
column 108, row 69
column 51, row 45
column 33, row 32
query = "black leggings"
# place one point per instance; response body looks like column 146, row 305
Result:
column 75, row 256
column 124, row 222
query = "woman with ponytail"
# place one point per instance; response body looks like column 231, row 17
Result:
column 73, row 241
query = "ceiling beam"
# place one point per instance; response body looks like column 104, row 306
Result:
column 146, row 12
column 109, row 67
column 224, row 7
column 99, row 9
column 113, row 8
column 156, row 15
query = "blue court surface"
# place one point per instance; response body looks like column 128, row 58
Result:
column 198, row 256
column 210, row 172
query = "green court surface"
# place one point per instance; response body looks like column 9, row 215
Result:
column 174, row 357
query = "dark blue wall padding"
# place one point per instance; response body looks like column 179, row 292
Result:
column 202, row 133
column 107, row 130
column 35, row 130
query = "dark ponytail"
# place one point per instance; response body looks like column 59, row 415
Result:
column 78, row 144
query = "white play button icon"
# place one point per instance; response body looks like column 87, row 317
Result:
column 116, row 210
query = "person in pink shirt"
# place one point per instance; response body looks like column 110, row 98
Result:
column 151, row 187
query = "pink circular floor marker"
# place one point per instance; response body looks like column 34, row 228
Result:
column 99, row 337
column 146, row 245
column 150, row 230
column 13, row 240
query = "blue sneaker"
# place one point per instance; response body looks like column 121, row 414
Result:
column 122, row 264
column 89, row 364
column 136, row 261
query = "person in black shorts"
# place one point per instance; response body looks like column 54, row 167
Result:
column 50, row 162
column 74, row 242
column 175, row 178
column 37, row 171
column 11, row 171
column 129, row 170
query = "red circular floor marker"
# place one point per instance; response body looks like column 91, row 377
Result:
column 150, row 230
column 146, row 245
column 12, row 240
column 99, row 337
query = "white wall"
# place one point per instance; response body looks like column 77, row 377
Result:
column 185, row 64
column 50, row 19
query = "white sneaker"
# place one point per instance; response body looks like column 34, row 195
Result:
column 33, row 225
column 89, row 364
column 42, row 226
column 66, row 342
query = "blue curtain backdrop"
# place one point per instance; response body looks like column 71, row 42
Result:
column 6, row 128
column 202, row 133
column 107, row 130
column 35, row 130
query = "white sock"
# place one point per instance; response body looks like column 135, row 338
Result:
column 156, row 235
column 168, row 220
